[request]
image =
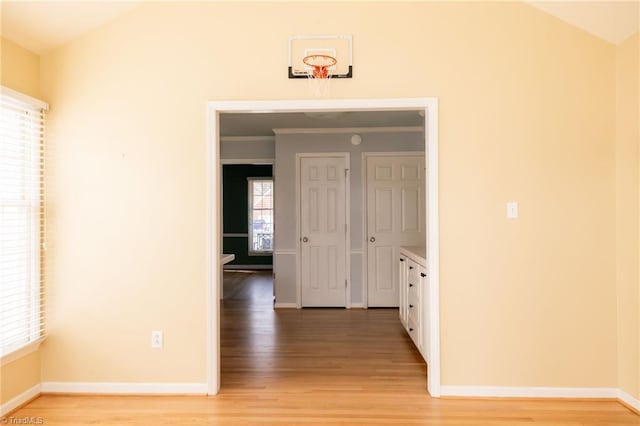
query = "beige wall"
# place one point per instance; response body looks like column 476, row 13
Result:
column 20, row 70
column 19, row 376
column 527, row 108
column 627, row 190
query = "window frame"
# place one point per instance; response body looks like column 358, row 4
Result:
column 250, row 210
column 34, row 288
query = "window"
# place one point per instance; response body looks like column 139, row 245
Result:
column 260, row 216
column 21, row 220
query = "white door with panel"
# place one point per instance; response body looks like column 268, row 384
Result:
column 323, row 231
column 395, row 217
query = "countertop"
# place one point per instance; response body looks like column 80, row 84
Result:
column 226, row 258
column 419, row 253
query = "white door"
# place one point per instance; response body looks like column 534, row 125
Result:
column 323, row 236
column 395, row 218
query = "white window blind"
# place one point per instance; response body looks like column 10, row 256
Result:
column 22, row 299
column 260, row 216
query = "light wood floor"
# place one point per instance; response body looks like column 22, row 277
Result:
column 317, row 367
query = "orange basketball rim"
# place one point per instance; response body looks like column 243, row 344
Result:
column 320, row 65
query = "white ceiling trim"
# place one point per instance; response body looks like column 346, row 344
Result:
column 335, row 130
column 247, row 138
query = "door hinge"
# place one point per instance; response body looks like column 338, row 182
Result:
column 345, row 283
column 345, row 228
column 346, row 172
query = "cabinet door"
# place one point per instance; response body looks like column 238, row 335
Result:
column 425, row 311
column 415, row 332
column 413, row 303
column 402, row 284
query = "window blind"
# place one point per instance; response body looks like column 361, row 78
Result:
column 22, row 297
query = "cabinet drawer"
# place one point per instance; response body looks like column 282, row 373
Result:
column 413, row 312
column 413, row 271
column 413, row 298
column 413, row 293
column 414, row 331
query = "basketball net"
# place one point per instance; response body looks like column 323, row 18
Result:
column 320, row 72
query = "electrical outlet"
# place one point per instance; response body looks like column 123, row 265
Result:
column 156, row 339
column 512, row 210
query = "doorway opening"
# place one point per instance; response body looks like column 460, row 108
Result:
column 428, row 108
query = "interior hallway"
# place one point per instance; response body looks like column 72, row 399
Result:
column 316, row 367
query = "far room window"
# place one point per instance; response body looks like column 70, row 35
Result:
column 21, row 220
column 260, row 216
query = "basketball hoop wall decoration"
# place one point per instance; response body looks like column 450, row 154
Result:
column 318, row 59
column 320, row 71
column 320, row 65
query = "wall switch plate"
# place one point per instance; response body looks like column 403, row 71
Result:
column 156, row 339
column 512, row 210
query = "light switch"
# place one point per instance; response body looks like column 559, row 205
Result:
column 512, row 210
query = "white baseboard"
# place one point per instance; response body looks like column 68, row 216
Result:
column 17, row 401
column 629, row 400
column 125, row 388
column 285, row 305
column 357, row 305
column 201, row 389
column 528, row 392
column 249, row 267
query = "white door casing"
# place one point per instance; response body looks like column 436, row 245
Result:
column 395, row 218
column 428, row 105
column 323, row 230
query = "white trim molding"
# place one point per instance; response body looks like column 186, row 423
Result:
column 19, row 400
column 37, row 103
column 247, row 139
column 339, row 130
column 628, row 400
column 260, row 267
column 288, row 252
column 428, row 105
column 247, row 161
column 528, row 392
column 117, row 388
column 285, row 305
column 21, row 352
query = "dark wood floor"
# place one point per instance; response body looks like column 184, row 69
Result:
column 316, row 367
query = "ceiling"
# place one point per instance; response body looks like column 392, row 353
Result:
column 262, row 124
column 42, row 25
column 613, row 21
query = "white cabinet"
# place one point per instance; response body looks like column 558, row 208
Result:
column 414, row 295
column 402, row 285
column 424, row 303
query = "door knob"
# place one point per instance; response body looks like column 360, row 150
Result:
column 305, row 239
column 372, row 239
